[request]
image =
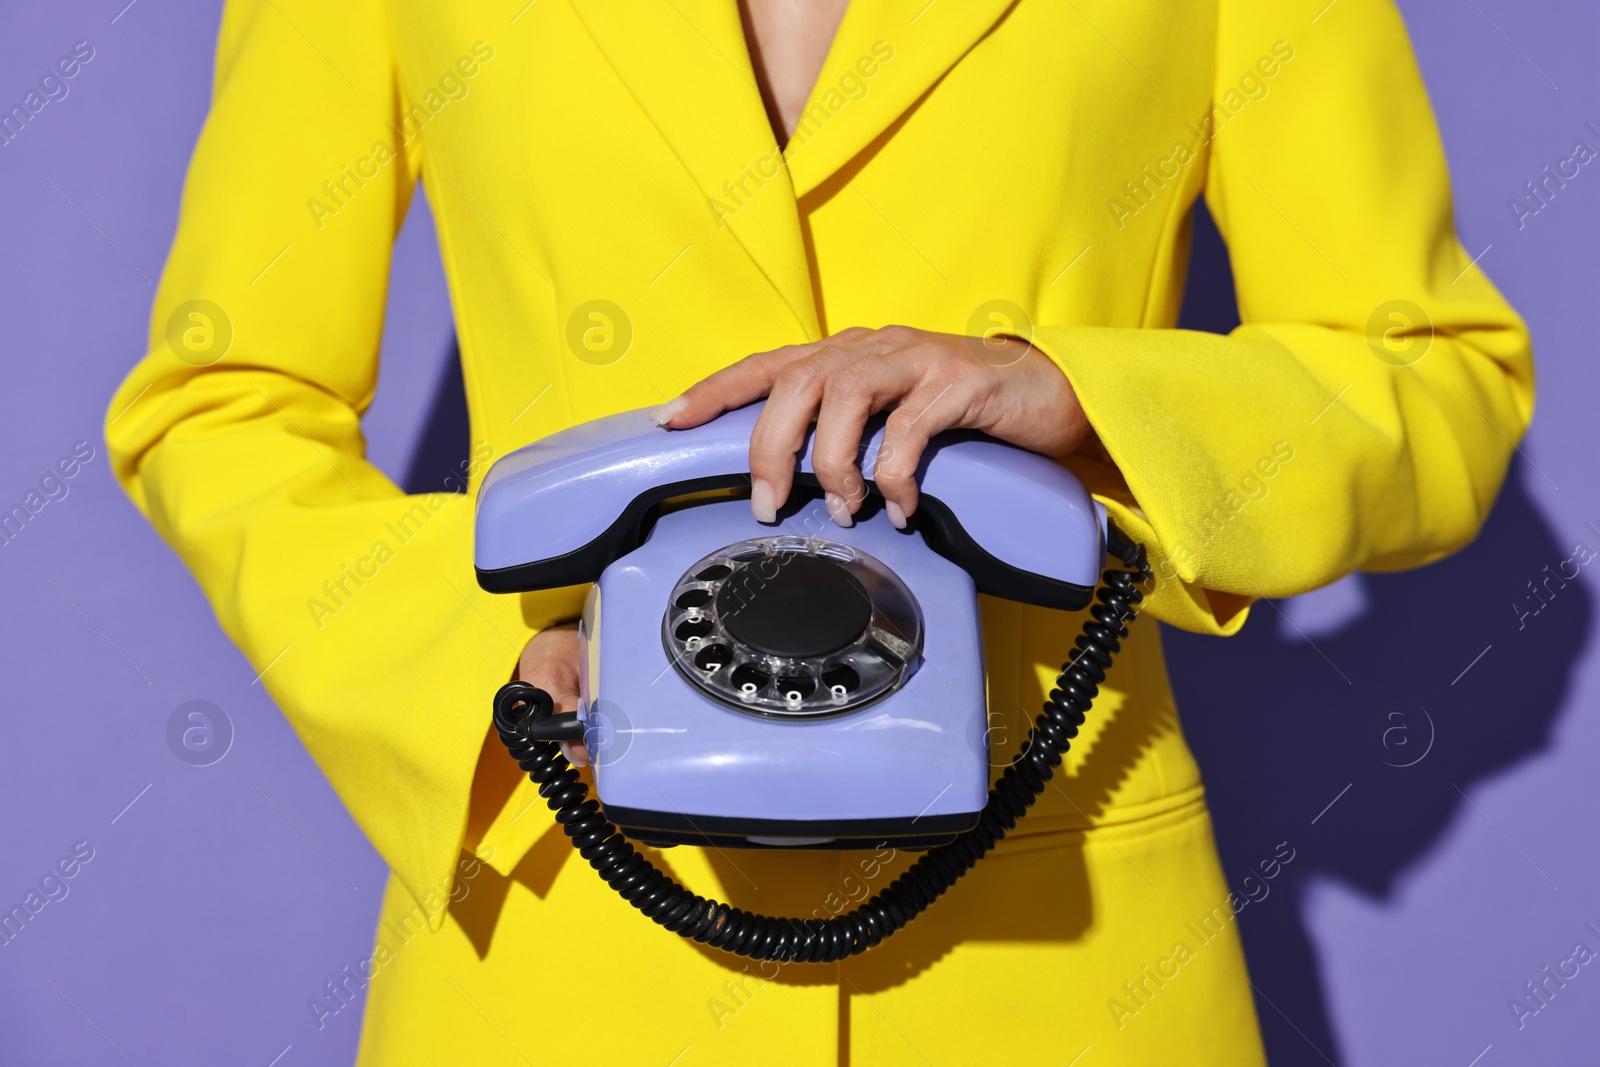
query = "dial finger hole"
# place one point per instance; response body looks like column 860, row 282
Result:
column 694, row 598
column 691, row 628
column 796, row 687
column 712, row 657
column 841, row 678
column 748, row 675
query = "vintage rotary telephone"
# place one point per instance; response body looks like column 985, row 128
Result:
column 798, row 685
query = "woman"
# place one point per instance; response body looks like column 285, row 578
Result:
column 620, row 228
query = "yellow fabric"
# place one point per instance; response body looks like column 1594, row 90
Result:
column 955, row 154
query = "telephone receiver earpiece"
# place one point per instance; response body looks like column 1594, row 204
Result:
column 559, row 511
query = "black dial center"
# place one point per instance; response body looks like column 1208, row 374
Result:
column 794, row 605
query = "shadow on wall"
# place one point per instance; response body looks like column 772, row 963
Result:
column 1360, row 685
column 1366, row 684
column 446, row 439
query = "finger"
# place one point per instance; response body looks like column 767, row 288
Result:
column 746, row 381
column 932, row 408
column 550, row 661
column 731, row 387
column 849, row 397
column 780, row 432
column 793, row 401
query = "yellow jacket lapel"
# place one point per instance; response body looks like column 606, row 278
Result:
column 686, row 63
column 885, row 57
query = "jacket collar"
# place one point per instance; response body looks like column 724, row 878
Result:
column 925, row 38
column 687, row 64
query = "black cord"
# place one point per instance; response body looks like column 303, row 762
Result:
column 519, row 707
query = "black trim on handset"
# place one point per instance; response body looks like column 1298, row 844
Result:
column 937, row 523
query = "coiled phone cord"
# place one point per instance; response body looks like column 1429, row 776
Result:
column 518, row 705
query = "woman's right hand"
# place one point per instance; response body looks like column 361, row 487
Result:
column 550, row 661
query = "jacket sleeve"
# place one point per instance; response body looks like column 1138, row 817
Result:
column 1363, row 414
column 239, row 433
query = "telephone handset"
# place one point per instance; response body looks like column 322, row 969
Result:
column 1020, row 524
column 798, row 685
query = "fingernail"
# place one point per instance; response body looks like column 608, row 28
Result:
column 763, row 501
column 569, row 749
column 897, row 515
column 838, row 510
column 670, row 410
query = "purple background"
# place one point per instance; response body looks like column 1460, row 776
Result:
column 225, row 896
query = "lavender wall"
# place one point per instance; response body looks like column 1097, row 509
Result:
column 221, row 895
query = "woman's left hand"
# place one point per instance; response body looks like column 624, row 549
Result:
column 929, row 382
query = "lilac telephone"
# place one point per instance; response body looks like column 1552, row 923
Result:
column 798, row 685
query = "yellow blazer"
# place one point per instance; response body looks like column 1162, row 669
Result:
column 963, row 165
